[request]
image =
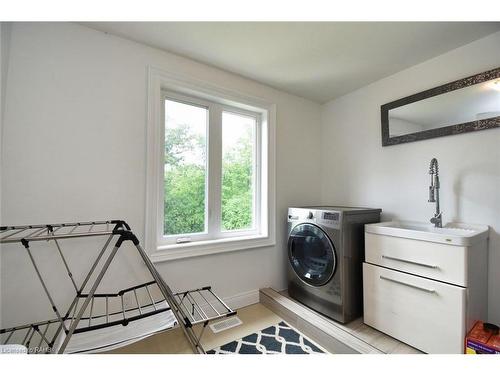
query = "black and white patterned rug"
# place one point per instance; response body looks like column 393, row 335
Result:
column 277, row 339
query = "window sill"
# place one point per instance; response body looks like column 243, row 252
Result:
column 194, row 249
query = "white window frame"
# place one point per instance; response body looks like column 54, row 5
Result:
column 213, row 182
column 162, row 85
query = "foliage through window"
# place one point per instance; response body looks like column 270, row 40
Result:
column 211, row 180
column 238, row 155
column 185, row 168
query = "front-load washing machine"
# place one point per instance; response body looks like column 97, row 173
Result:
column 325, row 253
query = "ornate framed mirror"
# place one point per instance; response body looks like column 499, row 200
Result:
column 466, row 105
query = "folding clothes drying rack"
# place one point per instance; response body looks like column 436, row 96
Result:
column 190, row 308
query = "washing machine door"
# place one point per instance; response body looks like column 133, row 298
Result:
column 311, row 254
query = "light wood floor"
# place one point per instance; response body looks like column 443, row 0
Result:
column 354, row 337
column 333, row 336
column 254, row 318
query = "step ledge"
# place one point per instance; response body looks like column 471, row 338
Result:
column 338, row 334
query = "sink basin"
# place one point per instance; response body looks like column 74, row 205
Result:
column 452, row 233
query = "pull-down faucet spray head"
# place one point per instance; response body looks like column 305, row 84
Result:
column 431, row 191
column 434, row 191
column 434, row 173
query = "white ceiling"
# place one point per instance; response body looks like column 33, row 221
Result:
column 317, row 60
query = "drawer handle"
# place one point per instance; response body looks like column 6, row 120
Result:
column 410, row 262
column 410, row 285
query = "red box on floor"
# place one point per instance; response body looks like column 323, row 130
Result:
column 484, row 338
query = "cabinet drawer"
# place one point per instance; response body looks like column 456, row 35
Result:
column 426, row 314
column 433, row 260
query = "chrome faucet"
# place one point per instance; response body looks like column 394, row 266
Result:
column 434, row 192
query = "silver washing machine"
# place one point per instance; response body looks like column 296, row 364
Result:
column 325, row 253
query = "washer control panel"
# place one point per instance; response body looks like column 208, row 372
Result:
column 329, row 219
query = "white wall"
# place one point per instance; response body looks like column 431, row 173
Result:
column 357, row 170
column 4, row 63
column 74, row 149
column 4, row 67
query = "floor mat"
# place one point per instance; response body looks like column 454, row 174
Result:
column 277, row 339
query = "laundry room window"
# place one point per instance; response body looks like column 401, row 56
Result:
column 185, row 169
column 239, row 167
column 213, row 188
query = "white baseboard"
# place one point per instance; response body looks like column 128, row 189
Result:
column 242, row 299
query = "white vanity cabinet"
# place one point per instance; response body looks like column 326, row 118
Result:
column 427, row 294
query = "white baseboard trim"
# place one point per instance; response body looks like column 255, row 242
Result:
column 242, row 299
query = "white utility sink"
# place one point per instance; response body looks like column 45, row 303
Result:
column 452, row 233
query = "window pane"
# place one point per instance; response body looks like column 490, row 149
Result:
column 185, row 168
column 238, row 171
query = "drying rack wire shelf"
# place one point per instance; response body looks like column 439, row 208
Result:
column 154, row 306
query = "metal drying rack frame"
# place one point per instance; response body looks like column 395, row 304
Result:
column 190, row 308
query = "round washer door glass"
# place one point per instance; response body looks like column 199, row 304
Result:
column 311, row 254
